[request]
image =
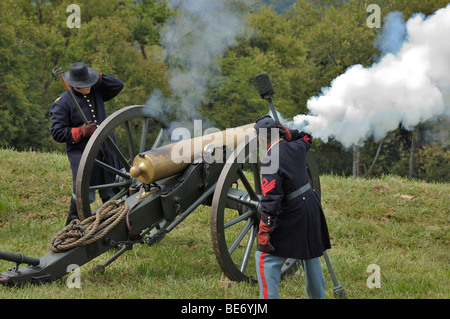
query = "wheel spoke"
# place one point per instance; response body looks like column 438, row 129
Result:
column 112, row 169
column 241, row 236
column 143, row 135
column 120, row 194
column 158, row 139
column 105, row 186
column 118, row 153
column 131, row 147
column 247, row 185
column 248, row 248
column 238, row 219
column 257, row 178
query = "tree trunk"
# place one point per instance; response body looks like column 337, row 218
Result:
column 415, row 146
column 144, row 55
column 39, row 11
column 356, row 161
column 376, row 157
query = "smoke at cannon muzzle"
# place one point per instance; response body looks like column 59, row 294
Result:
column 194, row 39
column 409, row 85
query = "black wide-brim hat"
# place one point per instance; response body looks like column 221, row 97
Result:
column 80, row 76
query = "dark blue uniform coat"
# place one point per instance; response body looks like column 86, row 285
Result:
column 301, row 230
column 65, row 116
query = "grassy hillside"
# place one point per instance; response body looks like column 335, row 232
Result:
column 399, row 225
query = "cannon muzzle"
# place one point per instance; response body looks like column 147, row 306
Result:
column 19, row 258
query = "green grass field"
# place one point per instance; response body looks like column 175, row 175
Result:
column 401, row 226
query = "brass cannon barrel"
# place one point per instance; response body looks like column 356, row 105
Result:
column 173, row 158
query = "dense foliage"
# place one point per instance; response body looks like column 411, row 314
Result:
column 302, row 45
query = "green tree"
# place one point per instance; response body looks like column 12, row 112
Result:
column 434, row 163
column 271, row 45
column 35, row 37
column 150, row 15
column 19, row 86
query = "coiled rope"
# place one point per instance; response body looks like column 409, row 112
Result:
column 79, row 233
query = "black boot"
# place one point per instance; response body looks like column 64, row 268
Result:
column 73, row 214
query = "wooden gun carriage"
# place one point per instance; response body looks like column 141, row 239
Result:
column 160, row 189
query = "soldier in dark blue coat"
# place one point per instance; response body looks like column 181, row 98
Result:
column 91, row 89
column 292, row 221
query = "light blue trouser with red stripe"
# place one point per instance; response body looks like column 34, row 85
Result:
column 268, row 269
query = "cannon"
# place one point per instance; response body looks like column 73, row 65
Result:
column 159, row 183
column 155, row 189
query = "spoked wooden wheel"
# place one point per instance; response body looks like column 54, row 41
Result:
column 110, row 153
column 235, row 212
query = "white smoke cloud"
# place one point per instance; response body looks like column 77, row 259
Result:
column 405, row 88
column 194, row 40
column 393, row 34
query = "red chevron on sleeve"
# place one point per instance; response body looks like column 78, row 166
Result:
column 267, row 186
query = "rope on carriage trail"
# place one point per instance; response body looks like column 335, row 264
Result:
column 79, row 233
